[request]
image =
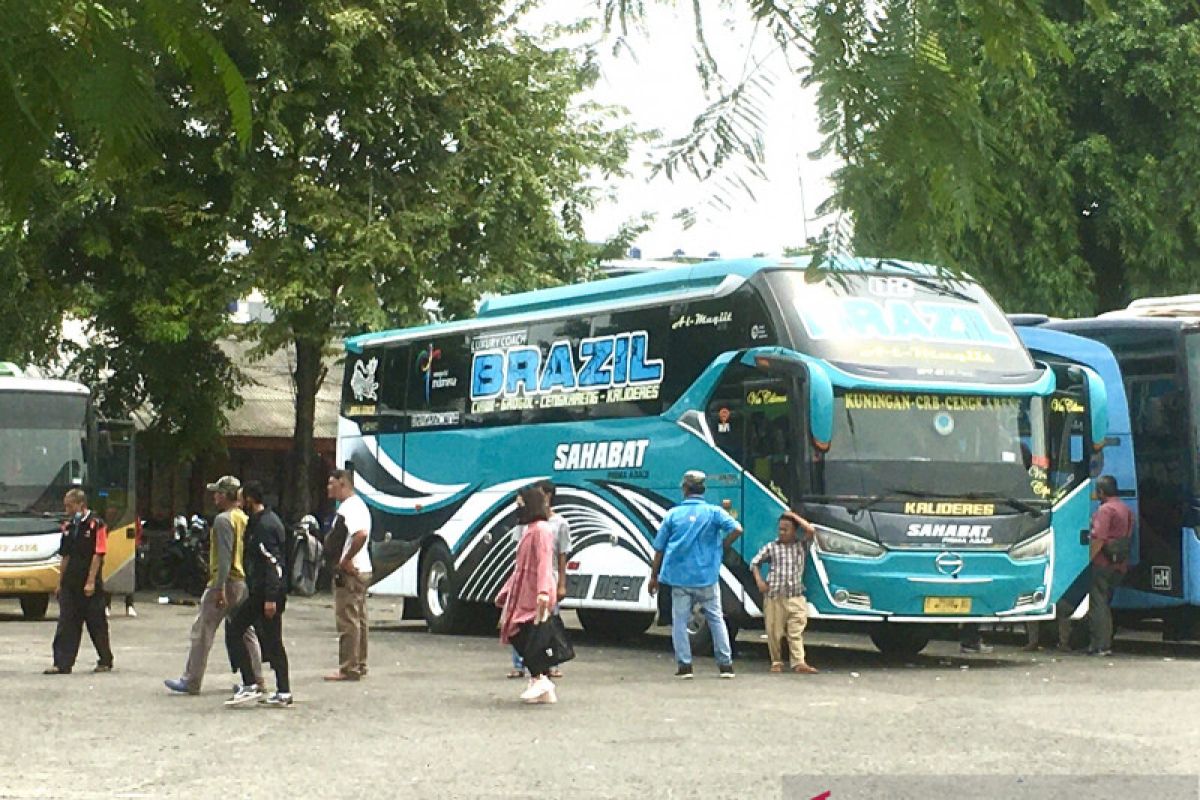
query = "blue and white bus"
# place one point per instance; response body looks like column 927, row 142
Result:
column 895, row 406
column 1066, row 350
column 1156, row 342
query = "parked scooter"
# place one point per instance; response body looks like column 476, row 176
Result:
column 305, row 557
column 183, row 563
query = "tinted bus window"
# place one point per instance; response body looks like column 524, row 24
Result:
column 553, row 341
column 438, row 371
column 394, row 377
column 702, row 330
column 361, row 386
column 627, row 362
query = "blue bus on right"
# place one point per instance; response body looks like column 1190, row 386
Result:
column 1156, row 342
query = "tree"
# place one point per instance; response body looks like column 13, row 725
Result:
column 406, row 152
column 889, row 83
column 89, row 70
column 1089, row 167
column 140, row 257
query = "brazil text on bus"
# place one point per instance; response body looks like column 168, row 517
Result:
column 947, row 472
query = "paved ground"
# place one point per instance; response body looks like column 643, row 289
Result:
column 437, row 718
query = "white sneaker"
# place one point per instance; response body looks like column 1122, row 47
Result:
column 549, row 697
column 537, row 688
column 244, row 694
column 130, row 611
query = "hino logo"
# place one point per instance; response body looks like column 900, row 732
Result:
column 949, row 564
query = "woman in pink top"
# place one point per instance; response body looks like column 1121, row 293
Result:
column 529, row 593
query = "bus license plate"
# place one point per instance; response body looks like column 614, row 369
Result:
column 947, row 605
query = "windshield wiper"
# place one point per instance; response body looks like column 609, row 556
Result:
column 887, row 494
column 1024, row 506
column 1027, row 507
column 932, row 285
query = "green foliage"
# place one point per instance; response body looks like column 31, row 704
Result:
column 1086, row 166
column 88, row 70
column 410, row 151
column 140, row 257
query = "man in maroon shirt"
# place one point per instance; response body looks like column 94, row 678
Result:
column 1112, row 525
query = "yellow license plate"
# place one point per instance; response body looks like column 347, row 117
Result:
column 947, row 605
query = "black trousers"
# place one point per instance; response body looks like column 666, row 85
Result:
column 75, row 609
column 270, row 638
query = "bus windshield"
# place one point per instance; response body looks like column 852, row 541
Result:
column 931, row 445
column 41, row 449
column 916, row 327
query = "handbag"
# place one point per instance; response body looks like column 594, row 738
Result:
column 543, row 645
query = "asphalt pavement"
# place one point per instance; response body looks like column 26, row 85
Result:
column 437, row 717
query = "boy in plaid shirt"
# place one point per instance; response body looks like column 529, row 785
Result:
column 784, row 605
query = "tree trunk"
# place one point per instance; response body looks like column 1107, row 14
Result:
column 309, row 375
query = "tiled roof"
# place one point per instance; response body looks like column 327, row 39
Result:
column 269, row 396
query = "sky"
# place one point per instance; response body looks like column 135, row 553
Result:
column 659, row 86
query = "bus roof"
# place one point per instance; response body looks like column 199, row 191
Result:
column 48, row 385
column 711, row 278
column 1131, row 323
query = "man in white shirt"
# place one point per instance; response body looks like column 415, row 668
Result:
column 351, row 577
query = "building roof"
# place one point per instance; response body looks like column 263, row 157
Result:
column 268, row 408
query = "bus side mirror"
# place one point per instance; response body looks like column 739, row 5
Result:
column 820, row 406
column 1097, row 396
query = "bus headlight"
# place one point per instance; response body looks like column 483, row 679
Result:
column 1037, row 547
column 837, row 543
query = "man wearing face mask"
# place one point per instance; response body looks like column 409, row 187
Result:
column 80, row 589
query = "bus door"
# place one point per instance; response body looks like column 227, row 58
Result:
column 1063, row 477
column 115, row 500
column 753, row 420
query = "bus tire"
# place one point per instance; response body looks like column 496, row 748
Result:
column 443, row 612
column 701, row 636
column 900, row 641
column 33, row 606
column 609, row 624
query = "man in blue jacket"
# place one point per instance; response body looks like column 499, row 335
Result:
column 266, row 544
column 687, row 555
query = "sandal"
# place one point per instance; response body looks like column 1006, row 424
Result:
column 805, row 669
column 776, row 666
column 554, row 672
column 516, row 673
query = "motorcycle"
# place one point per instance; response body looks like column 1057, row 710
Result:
column 183, row 563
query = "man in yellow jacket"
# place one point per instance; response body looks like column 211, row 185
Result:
column 226, row 582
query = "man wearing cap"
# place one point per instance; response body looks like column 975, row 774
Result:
column 687, row 554
column 226, row 582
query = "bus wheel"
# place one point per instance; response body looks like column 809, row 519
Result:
column 33, row 606
column 900, row 641
column 615, row 624
column 701, row 636
column 441, row 609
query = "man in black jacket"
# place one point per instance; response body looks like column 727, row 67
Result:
column 81, row 587
column 265, row 563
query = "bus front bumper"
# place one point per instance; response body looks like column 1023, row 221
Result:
column 38, row 577
column 913, row 586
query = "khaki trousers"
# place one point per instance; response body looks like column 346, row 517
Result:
column 350, row 611
column 204, row 629
column 787, row 617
